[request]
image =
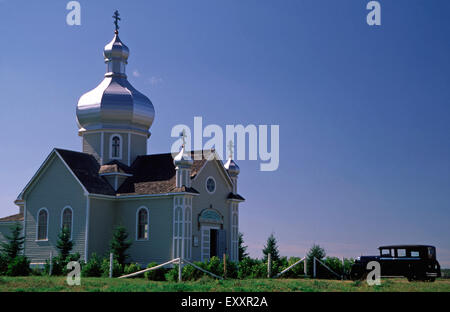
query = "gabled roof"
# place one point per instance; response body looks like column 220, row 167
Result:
column 150, row 174
column 86, row 169
column 12, row 218
column 155, row 174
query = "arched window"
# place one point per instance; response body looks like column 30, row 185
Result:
column 66, row 221
column 116, row 146
column 42, row 224
column 142, row 224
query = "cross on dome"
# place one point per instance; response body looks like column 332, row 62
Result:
column 230, row 148
column 183, row 136
column 116, row 21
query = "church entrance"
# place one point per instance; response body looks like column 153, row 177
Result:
column 214, row 242
column 218, row 243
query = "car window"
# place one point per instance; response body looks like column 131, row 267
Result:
column 415, row 254
column 385, row 252
column 431, row 253
column 401, row 252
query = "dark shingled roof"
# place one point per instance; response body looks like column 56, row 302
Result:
column 235, row 196
column 15, row 217
column 155, row 174
column 115, row 167
column 86, row 168
column 151, row 174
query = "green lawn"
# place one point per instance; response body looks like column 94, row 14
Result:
column 44, row 284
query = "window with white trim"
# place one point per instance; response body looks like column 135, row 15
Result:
column 234, row 233
column 116, row 146
column 210, row 185
column 178, row 231
column 42, row 229
column 142, row 224
column 67, row 220
column 187, row 232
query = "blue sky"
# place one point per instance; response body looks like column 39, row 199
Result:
column 364, row 112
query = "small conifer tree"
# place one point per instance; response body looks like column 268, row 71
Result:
column 14, row 244
column 242, row 248
column 119, row 244
column 64, row 243
column 272, row 248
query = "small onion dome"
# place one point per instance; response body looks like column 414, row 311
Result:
column 182, row 159
column 232, row 167
column 116, row 50
column 115, row 104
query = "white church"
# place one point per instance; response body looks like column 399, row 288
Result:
column 171, row 205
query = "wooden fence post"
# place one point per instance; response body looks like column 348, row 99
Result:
column 111, row 261
column 51, row 264
column 304, row 266
column 314, row 267
column 180, row 270
column 224, row 265
column 269, row 265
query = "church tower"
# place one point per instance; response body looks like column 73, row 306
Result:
column 114, row 118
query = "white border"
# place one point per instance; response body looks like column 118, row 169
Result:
column 137, row 224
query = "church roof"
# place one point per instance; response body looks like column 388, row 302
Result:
column 15, row 217
column 86, row 168
column 155, row 174
column 151, row 174
column 235, row 196
column 115, row 167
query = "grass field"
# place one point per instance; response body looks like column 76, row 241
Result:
column 58, row 284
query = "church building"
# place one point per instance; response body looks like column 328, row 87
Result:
column 171, row 205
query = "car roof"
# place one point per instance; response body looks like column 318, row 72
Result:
column 404, row 246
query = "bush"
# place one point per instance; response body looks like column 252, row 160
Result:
column 191, row 274
column 171, row 275
column 232, row 269
column 37, row 272
column 59, row 264
column 156, row 275
column 117, row 268
column 132, row 268
column 93, row 268
column 252, row 268
column 19, row 266
column 215, row 266
column 295, row 272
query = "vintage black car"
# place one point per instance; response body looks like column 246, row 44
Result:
column 415, row 262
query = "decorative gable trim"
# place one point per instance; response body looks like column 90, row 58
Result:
column 214, row 158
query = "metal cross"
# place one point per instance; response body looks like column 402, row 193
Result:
column 183, row 136
column 230, row 148
column 116, row 19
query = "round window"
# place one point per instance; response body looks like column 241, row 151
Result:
column 210, row 185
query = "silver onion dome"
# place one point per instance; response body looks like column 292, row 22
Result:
column 115, row 104
column 232, row 167
column 182, row 159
